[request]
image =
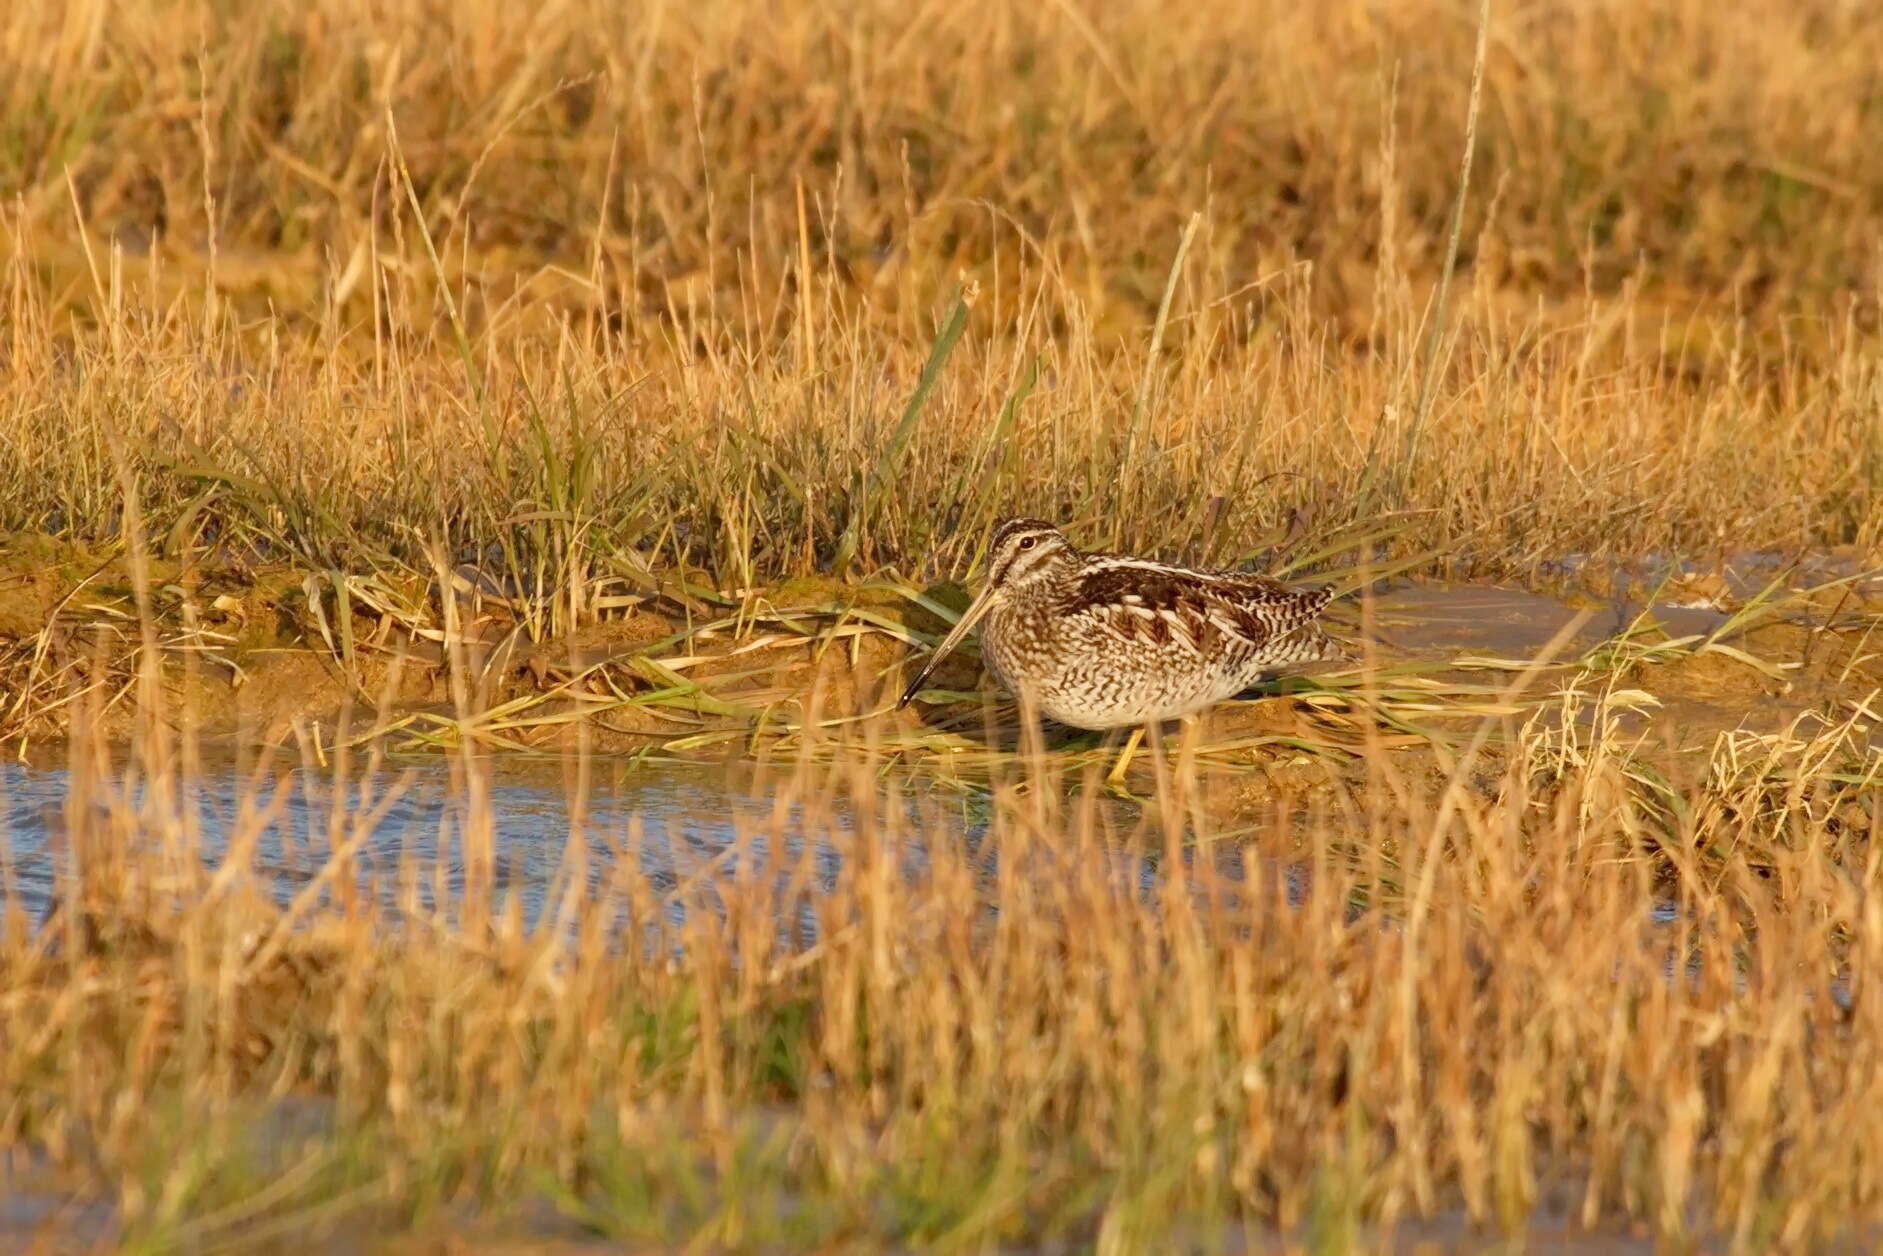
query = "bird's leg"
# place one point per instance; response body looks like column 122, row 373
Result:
column 1116, row 778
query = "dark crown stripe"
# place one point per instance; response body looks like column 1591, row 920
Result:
column 1007, row 529
column 1006, row 560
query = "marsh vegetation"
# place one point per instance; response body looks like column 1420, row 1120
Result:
column 396, row 397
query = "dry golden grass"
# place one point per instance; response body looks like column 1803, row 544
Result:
column 633, row 305
column 1536, row 985
column 1711, row 149
column 697, row 255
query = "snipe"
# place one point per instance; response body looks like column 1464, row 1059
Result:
column 1103, row 641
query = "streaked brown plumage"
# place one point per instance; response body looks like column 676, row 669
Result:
column 1105, row 641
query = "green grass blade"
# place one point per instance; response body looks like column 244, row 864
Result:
column 952, row 327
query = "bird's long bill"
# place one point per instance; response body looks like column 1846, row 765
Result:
column 963, row 626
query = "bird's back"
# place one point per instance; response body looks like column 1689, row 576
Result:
column 1126, row 639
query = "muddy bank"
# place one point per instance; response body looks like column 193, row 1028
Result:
column 256, row 652
column 253, row 651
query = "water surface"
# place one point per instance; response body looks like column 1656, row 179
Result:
column 674, row 819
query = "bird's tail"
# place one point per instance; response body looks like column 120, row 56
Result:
column 1310, row 644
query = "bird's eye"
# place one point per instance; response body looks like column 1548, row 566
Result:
column 1028, row 542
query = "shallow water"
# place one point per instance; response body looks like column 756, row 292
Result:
column 1490, row 621
column 675, row 821
column 673, row 835
column 1737, row 576
column 1693, row 701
